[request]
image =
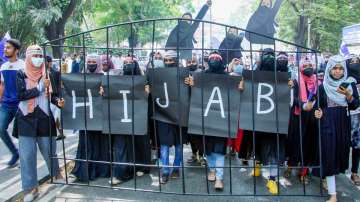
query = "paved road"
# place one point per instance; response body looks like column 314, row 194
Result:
column 10, row 180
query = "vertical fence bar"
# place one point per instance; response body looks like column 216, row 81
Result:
column 202, row 109
column 132, row 102
column 300, row 126
column 277, row 123
column 85, row 112
column 109, row 106
column 319, row 133
column 47, row 72
column 179, row 111
column 253, row 113
column 153, row 104
column 61, row 129
column 228, row 99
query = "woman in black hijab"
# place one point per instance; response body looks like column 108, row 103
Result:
column 122, row 144
column 353, row 65
column 266, row 143
column 230, row 47
column 263, row 22
column 215, row 146
column 185, row 30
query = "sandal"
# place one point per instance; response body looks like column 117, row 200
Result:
column 287, row 173
column 304, row 179
column 355, row 179
column 324, row 185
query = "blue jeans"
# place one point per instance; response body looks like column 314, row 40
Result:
column 164, row 157
column 7, row 114
column 216, row 163
column 28, row 159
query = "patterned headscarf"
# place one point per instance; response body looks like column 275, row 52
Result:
column 33, row 74
column 331, row 85
column 93, row 57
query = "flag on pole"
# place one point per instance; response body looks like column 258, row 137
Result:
column 2, row 46
column 344, row 51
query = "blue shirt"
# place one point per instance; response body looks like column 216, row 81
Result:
column 8, row 73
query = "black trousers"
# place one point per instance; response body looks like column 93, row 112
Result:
column 355, row 160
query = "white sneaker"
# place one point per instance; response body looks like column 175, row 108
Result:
column 31, row 196
column 139, row 173
column 115, row 181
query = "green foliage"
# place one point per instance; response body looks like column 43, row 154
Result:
column 16, row 18
column 113, row 11
column 327, row 18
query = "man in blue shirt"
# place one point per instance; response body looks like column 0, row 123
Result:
column 8, row 96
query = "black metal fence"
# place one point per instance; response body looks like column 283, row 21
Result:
column 105, row 40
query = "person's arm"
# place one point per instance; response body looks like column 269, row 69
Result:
column 237, row 48
column 2, row 86
column 53, row 76
column 199, row 16
column 354, row 101
column 297, row 101
column 27, row 94
column 276, row 7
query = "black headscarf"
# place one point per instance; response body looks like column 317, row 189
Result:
column 132, row 69
column 354, row 68
column 282, row 62
column 216, row 65
column 267, row 60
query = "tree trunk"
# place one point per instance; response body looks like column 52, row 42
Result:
column 56, row 29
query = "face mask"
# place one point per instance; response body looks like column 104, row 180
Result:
column 185, row 22
column 170, row 65
column 239, row 69
column 37, row 61
column 92, row 67
column 192, row 67
column 354, row 71
column 216, row 66
column 308, row 72
column 159, row 64
column 282, row 65
column 105, row 69
column 77, row 60
column 231, row 35
column 129, row 69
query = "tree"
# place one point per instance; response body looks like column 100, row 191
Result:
column 326, row 17
column 113, row 11
column 53, row 15
column 15, row 18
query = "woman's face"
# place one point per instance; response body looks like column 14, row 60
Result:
column 158, row 56
column 266, row 3
column 337, row 72
column 237, row 61
column 91, row 62
column 354, row 61
column 232, row 31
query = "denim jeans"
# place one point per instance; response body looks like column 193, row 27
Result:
column 216, row 163
column 7, row 114
column 28, row 159
column 164, row 157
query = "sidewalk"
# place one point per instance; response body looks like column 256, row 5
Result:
column 10, row 179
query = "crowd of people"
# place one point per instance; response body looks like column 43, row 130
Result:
column 324, row 116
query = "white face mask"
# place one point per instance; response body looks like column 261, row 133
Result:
column 37, row 61
column 78, row 60
column 159, row 64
